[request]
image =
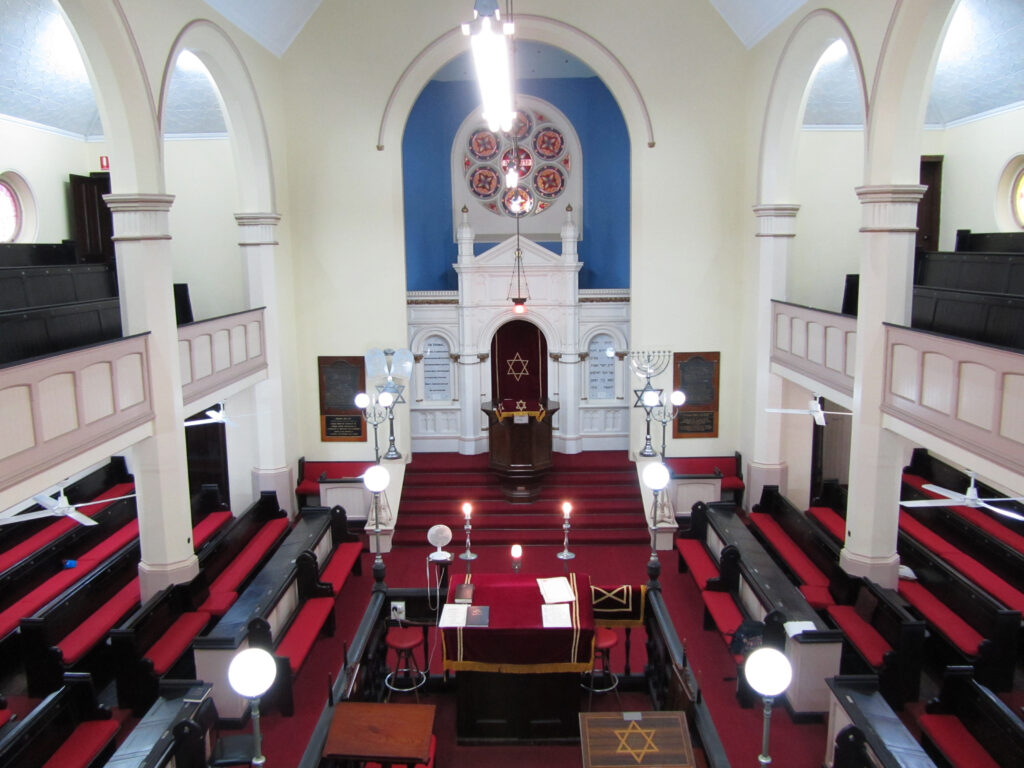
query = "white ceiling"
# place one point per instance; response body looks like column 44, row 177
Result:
column 43, row 81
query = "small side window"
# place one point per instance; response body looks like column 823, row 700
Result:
column 1017, row 198
column 10, row 213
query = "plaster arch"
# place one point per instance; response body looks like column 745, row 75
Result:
column 787, row 96
column 543, row 29
column 123, row 94
column 618, row 337
column 487, row 330
column 420, row 338
column 901, row 90
column 246, row 127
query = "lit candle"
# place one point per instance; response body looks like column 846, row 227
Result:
column 467, row 510
column 517, row 552
column 566, row 509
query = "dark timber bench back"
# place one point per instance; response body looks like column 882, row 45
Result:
column 172, row 732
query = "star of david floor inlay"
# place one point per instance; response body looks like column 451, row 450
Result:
column 646, row 736
column 517, row 367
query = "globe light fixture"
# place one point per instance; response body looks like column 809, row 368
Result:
column 250, row 674
column 376, row 479
column 769, row 673
column 655, row 477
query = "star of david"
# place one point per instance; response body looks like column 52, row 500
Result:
column 646, row 737
column 394, row 388
column 520, row 405
column 517, row 367
column 640, row 395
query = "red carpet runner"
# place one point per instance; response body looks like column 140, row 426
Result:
column 602, row 487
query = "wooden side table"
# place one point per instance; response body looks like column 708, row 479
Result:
column 390, row 734
column 635, row 739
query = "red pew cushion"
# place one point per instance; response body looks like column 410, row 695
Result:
column 91, row 631
column 871, row 645
column 41, row 595
column 304, row 628
column 217, row 603
column 962, row 634
column 788, row 550
column 701, row 566
column 817, row 595
column 831, row 519
column 170, row 647
column 84, row 744
column 341, row 564
column 955, row 742
column 724, row 611
column 236, row 572
column 978, row 517
column 123, row 536
column 5, row 717
column 208, row 526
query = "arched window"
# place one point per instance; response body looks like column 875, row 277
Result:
column 10, row 213
column 601, row 368
column 437, row 369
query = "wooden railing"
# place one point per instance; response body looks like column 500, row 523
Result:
column 957, row 390
column 64, row 405
column 220, row 352
column 815, row 343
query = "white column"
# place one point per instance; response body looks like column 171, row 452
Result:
column 568, row 367
column 272, row 472
column 776, row 230
column 145, row 283
column 876, row 455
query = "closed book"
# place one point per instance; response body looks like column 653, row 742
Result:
column 478, row 616
column 463, row 593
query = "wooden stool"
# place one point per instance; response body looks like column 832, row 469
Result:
column 604, row 640
column 407, row 676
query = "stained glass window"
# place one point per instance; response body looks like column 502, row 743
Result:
column 10, row 214
column 535, row 149
column 1017, row 198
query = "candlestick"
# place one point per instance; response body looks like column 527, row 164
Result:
column 467, row 510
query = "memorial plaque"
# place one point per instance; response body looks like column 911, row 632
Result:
column 696, row 375
column 341, row 379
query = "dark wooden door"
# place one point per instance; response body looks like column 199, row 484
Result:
column 92, row 222
column 928, row 208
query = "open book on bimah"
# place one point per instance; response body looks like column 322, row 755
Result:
column 556, row 615
column 556, row 590
column 455, row 615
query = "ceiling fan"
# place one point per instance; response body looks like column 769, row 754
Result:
column 968, row 499
column 58, row 507
column 813, row 410
column 215, row 415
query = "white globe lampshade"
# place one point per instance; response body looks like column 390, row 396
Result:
column 362, row 400
column 678, row 398
column 252, row 672
column 655, row 476
column 768, row 671
column 651, row 398
column 386, row 399
column 376, row 478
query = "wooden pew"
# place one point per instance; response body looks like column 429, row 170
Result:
column 67, row 729
column 966, row 623
column 66, row 632
column 26, row 333
column 886, row 637
column 766, row 594
column 863, row 730
column 333, row 483
column 705, row 478
column 968, row 726
column 271, row 613
column 172, row 732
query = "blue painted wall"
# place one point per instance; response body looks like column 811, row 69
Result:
column 426, row 146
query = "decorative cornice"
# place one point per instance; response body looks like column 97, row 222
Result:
column 140, row 216
column 776, row 220
column 890, row 207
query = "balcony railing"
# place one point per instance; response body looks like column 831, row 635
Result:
column 960, row 391
column 815, row 343
column 220, row 352
column 64, row 405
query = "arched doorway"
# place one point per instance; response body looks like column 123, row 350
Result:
column 519, row 370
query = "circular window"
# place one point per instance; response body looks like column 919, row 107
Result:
column 10, row 213
column 535, row 149
column 1017, row 198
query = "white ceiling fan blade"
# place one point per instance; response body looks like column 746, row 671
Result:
column 26, row 516
column 78, row 517
column 819, row 417
column 930, row 503
column 1004, row 512
column 802, row 411
column 102, row 501
column 47, row 502
column 197, row 422
column 956, row 495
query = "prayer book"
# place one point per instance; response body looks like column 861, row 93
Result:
column 453, row 615
column 463, row 593
column 556, row 615
column 556, row 590
column 478, row 616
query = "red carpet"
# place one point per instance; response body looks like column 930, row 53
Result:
column 793, row 745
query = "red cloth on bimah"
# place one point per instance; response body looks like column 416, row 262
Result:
column 515, row 639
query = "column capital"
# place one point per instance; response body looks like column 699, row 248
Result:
column 140, row 216
column 776, row 219
column 257, row 228
column 890, row 207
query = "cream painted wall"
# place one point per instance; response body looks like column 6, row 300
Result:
column 828, row 241
column 204, row 236
column 44, row 160
column 975, row 155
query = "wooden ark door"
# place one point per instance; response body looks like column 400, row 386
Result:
column 519, row 369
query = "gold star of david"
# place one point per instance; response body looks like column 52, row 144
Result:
column 517, row 367
column 646, row 735
column 520, row 405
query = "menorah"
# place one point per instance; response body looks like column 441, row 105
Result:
column 647, row 364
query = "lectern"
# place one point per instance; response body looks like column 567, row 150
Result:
column 520, row 445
